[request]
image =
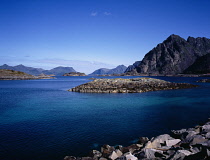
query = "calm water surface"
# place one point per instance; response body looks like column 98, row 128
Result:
column 40, row 120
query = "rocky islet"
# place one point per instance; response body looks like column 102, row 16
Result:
column 134, row 85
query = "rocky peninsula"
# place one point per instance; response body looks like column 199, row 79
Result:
column 6, row 74
column 135, row 85
column 183, row 144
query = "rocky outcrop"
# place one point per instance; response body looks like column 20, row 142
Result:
column 173, row 56
column 135, row 85
column 74, row 74
column 204, row 80
column 200, row 66
column 104, row 71
column 183, row 144
column 44, row 76
column 6, row 74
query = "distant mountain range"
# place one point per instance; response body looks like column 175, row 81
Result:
column 104, row 71
column 175, row 55
column 58, row 71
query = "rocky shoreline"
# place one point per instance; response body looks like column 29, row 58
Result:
column 183, row 144
column 135, row 85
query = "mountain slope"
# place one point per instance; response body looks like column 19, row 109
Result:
column 173, row 56
column 59, row 71
column 201, row 66
column 118, row 70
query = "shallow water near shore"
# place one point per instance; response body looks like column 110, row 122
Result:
column 40, row 119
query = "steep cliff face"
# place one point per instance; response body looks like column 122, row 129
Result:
column 174, row 55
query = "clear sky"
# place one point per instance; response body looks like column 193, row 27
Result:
column 89, row 34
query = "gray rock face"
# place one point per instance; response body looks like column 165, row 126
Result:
column 173, row 56
column 104, row 71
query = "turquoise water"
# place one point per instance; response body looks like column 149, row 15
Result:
column 39, row 119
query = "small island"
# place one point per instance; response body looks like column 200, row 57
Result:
column 135, row 85
column 7, row 74
column 74, row 74
column 204, row 80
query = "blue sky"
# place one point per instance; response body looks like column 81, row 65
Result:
column 90, row 34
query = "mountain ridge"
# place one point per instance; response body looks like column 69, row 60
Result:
column 104, row 71
column 173, row 56
column 58, row 71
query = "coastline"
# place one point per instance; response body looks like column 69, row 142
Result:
column 189, row 144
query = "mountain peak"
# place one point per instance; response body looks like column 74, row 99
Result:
column 174, row 37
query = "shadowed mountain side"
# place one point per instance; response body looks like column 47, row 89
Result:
column 201, row 66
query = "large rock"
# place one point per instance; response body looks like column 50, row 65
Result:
column 129, row 156
column 159, row 141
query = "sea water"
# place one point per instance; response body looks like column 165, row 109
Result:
column 40, row 119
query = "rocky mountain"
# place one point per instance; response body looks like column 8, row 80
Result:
column 200, row 66
column 118, row 70
column 103, row 71
column 133, row 66
column 173, row 56
column 100, row 71
column 22, row 68
column 58, row 71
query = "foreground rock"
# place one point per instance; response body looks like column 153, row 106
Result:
column 135, row 85
column 6, row 74
column 184, row 144
column 204, row 80
column 74, row 74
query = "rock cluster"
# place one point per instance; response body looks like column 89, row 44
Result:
column 204, row 80
column 184, row 144
column 135, row 85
